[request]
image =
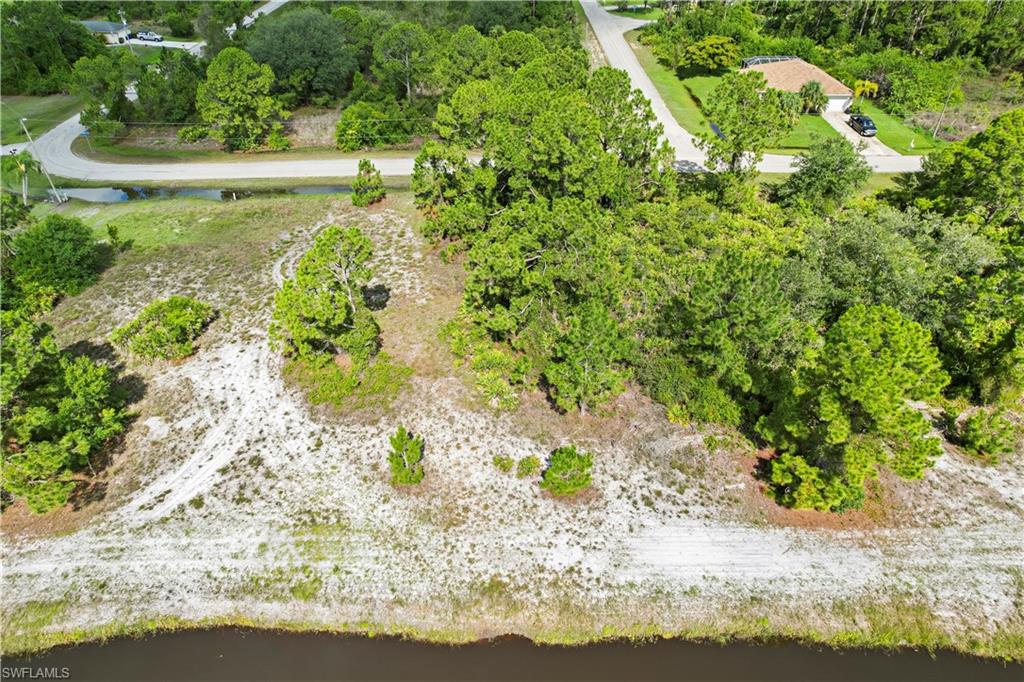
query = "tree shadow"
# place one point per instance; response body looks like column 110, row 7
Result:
column 376, row 297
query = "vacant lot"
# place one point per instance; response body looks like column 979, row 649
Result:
column 233, row 500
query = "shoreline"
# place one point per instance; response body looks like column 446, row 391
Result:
column 752, row 632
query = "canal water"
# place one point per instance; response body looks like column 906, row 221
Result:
column 244, row 654
column 114, row 195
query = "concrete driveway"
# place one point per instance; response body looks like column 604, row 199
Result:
column 872, row 145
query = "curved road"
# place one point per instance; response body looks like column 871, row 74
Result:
column 53, row 149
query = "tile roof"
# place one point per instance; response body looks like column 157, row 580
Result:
column 790, row 74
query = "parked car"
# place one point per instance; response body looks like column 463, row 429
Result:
column 150, row 36
column 863, row 125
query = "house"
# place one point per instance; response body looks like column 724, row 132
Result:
column 790, row 73
column 111, row 31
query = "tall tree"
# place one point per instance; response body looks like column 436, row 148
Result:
column 235, row 100
column 403, row 57
column 846, row 409
column 311, row 55
column 321, row 310
column 751, row 117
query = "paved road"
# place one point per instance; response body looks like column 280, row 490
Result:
column 609, row 29
column 53, row 149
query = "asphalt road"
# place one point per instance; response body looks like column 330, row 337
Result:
column 53, row 148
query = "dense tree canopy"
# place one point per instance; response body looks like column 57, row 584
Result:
column 310, row 53
column 40, row 45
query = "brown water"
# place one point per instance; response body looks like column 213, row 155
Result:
column 240, row 654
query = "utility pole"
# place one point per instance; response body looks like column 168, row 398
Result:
column 32, row 144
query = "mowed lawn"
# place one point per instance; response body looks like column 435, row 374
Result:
column 684, row 95
column 898, row 136
column 41, row 114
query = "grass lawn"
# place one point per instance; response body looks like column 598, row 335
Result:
column 875, row 184
column 649, row 14
column 810, row 129
column 42, row 113
column 680, row 102
column 894, row 134
column 684, row 95
column 147, row 54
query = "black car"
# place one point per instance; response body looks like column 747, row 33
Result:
column 863, row 125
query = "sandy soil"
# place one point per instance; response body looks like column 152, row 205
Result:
column 233, row 498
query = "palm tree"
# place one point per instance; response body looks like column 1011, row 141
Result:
column 22, row 163
column 864, row 87
column 812, row 97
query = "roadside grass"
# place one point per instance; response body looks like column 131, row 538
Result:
column 894, row 134
column 876, row 183
column 649, row 14
column 147, row 54
column 122, row 151
column 680, row 101
column 42, row 114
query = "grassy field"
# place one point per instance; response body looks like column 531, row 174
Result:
column 42, row 113
column 899, row 137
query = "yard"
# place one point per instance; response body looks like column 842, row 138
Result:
column 684, row 96
column 147, row 54
column 41, row 114
column 635, row 9
column 898, row 136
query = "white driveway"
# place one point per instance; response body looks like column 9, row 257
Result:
column 872, row 145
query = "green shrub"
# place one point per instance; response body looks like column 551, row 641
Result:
column 165, row 329
column 498, row 374
column 365, row 125
column 504, row 463
column 988, row 434
column 528, row 466
column 193, row 133
column 57, row 253
column 367, row 187
column 406, row 458
column 568, row 471
column 277, row 141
